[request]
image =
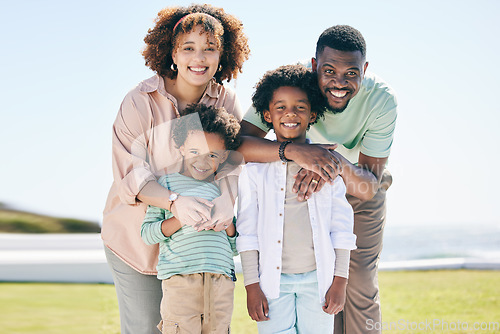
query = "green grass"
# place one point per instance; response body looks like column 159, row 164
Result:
column 58, row 308
column 13, row 221
column 452, row 300
column 409, row 299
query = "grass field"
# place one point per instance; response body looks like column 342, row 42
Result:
column 14, row 221
column 434, row 301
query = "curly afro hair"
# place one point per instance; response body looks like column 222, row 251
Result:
column 290, row 76
column 162, row 40
column 208, row 119
column 342, row 38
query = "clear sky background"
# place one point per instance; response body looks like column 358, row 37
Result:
column 65, row 67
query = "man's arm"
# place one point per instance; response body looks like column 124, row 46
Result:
column 253, row 145
column 363, row 180
column 316, row 158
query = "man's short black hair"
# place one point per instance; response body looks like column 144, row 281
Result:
column 342, row 38
column 288, row 76
column 211, row 120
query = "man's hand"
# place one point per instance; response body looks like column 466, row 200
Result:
column 320, row 159
column 258, row 308
column 192, row 210
column 308, row 182
column 335, row 296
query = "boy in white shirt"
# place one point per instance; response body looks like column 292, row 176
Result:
column 295, row 255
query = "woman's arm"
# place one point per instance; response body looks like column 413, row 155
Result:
column 189, row 210
column 132, row 171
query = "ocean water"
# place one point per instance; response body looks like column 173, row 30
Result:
column 415, row 242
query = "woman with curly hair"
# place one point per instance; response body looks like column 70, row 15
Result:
column 191, row 50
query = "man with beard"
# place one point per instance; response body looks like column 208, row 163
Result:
column 361, row 120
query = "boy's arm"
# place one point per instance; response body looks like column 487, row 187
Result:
column 170, row 226
column 151, row 229
column 343, row 240
column 335, row 296
column 257, row 305
column 248, row 211
column 342, row 218
column 231, row 236
column 231, row 230
column 158, row 225
column 248, row 245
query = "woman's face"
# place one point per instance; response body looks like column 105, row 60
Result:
column 197, row 58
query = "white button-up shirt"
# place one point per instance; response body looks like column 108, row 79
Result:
column 261, row 193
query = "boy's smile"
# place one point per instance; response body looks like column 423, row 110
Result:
column 290, row 114
column 203, row 153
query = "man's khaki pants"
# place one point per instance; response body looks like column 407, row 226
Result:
column 197, row 303
column 361, row 314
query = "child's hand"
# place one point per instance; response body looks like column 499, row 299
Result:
column 258, row 308
column 230, row 229
column 335, row 296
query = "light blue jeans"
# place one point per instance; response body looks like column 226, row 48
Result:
column 298, row 309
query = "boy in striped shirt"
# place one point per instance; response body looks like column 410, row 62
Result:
column 196, row 262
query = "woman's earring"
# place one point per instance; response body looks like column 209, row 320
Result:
column 173, row 67
column 220, row 68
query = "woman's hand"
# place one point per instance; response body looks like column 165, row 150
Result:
column 192, row 211
column 223, row 210
column 220, row 218
column 222, row 213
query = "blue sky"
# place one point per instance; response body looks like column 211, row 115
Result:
column 66, row 66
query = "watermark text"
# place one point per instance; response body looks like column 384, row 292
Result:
column 432, row 325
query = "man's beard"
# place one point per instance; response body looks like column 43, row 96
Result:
column 336, row 110
column 332, row 109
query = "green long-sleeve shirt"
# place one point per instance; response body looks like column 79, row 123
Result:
column 188, row 251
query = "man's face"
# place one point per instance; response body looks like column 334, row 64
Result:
column 339, row 76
